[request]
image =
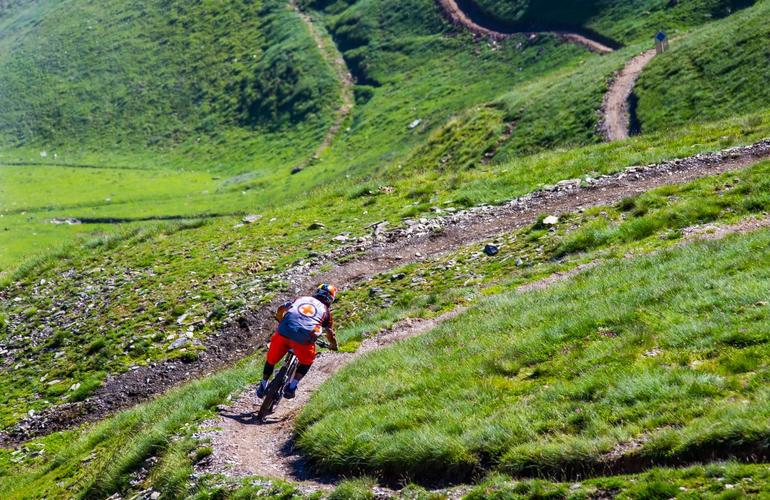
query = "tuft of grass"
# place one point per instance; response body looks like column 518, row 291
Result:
column 706, row 75
column 652, row 356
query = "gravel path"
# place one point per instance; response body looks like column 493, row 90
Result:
column 381, row 251
column 616, row 117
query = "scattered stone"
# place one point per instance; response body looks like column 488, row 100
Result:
column 178, row 344
column 341, row 238
column 316, row 225
column 296, row 170
column 491, row 250
column 75, row 386
column 519, row 262
column 397, row 277
column 251, row 219
column 69, row 221
column 416, row 123
column 551, row 220
column 374, row 291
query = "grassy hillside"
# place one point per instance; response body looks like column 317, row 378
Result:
column 719, row 70
column 141, row 281
column 127, row 75
column 660, row 359
column 103, row 459
column 523, row 96
column 159, row 125
column 621, row 20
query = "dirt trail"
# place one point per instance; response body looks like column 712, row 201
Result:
column 382, row 251
column 457, row 16
column 344, row 77
column 243, row 447
column 616, row 119
column 616, row 116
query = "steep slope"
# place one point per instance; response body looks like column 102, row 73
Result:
column 719, row 70
column 127, row 75
column 622, row 20
column 661, row 360
column 154, row 445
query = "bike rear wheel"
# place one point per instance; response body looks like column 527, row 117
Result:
column 273, row 395
column 275, row 388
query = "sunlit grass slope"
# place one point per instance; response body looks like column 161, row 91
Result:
column 622, row 20
column 660, row 359
column 719, row 70
column 216, row 270
column 122, row 76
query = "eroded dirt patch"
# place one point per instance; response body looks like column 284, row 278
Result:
column 378, row 252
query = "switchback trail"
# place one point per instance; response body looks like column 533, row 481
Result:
column 616, row 116
column 333, row 56
column 463, row 17
column 615, row 121
column 380, row 252
column 241, row 446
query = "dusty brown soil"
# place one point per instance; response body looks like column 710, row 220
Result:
column 243, row 447
column 713, row 231
column 385, row 251
column 456, row 16
column 616, row 119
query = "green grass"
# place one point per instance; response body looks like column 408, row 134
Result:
column 719, row 480
column 98, row 462
column 716, row 71
column 620, row 20
column 127, row 75
column 218, row 269
column 549, row 382
column 460, row 277
column 523, row 97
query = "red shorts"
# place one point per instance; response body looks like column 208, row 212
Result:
column 280, row 345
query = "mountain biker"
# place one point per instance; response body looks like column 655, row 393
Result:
column 301, row 323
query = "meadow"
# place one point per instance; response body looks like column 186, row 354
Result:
column 160, row 125
column 541, row 351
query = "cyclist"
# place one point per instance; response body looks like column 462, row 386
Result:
column 301, row 323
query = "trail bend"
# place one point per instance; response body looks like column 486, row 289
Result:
column 461, row 17
column 241, row 446
column 382, row 252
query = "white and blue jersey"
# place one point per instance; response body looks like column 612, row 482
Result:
column 305, row 320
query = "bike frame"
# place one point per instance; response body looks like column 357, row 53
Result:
column 275, row 388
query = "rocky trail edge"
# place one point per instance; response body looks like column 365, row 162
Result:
column 242, row 446
column 378, row 252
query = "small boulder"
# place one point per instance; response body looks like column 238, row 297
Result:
column 178, row 344
column 251, row 219
column 551, row 220
column 491, row 250
column 316, row 225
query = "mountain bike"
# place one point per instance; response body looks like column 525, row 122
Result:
column 275, row 388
